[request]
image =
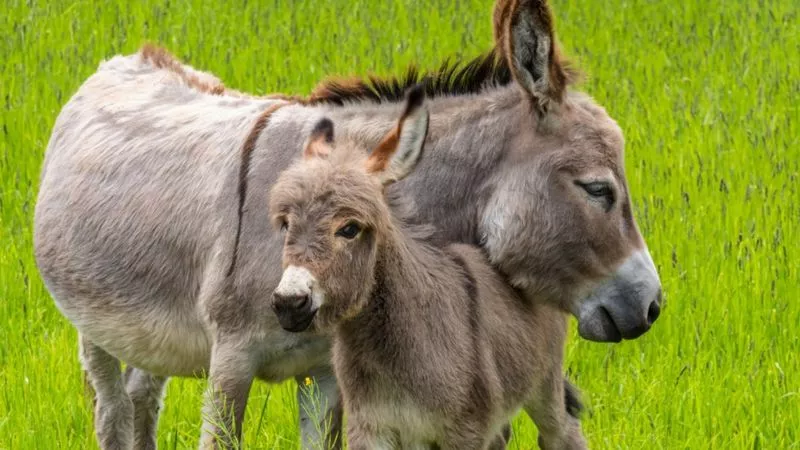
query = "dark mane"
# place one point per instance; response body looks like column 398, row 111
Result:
column 452, row 78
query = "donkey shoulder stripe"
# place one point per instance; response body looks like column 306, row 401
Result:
column 244, row 168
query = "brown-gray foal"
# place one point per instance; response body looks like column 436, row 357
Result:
column 432, row 347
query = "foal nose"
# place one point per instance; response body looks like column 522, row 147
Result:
column 295, row 312
column 292, row 299
column 290, row 303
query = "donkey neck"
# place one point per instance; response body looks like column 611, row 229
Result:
column 467, row 139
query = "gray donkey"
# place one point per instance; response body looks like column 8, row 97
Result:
column 152, row 234
column 431, row 347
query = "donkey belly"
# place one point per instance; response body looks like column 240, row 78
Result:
column 125, row 263
column 157, row 339
column 125, row 257
column 136, row 206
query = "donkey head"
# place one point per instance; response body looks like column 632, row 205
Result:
column 563, row 186
column 331, row 208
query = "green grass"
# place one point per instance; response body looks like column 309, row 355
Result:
column 706, row 93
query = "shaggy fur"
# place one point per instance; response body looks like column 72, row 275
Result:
column 432, row 348
column 147, row 181
column 452, row 78
column 496, row 68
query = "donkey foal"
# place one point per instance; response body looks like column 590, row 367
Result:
column 431, row 347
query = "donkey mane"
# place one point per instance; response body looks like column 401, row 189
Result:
column 453, row 77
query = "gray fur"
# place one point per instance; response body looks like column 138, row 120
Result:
column 432, row 348
column 137, row 212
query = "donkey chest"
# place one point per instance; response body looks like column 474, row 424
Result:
column 403, row 416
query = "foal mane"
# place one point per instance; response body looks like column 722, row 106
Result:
column 453, row 77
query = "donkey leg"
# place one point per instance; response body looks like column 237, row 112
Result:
column 146, row 391
column 548, row 408
column 320, row 407
column 469, row 436
column 501, row 440
column 113, row 412
column 229, row 382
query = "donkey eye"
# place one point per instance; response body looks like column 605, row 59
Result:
column 349, row 231
column 597, row 189
column 284, row 226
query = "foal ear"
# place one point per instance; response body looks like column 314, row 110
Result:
column 397, row 154
column 318, row 144
column 525, row 36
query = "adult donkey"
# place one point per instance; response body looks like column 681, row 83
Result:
column 152, row 231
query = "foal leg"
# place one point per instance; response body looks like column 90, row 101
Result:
column 365, row 435
column 146, row 392
column 558, row 429
column 113, row 412
column 229, row 382
column 320, row 407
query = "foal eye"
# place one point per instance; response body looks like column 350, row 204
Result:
column 349, row 231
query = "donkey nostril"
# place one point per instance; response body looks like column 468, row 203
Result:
column 301, row 302
column 276, row 299
column 654, row 310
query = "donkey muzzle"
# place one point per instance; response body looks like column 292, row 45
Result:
column 294, row 312
column 296, row 299
column 624, row 306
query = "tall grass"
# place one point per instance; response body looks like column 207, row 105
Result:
column 706, row 93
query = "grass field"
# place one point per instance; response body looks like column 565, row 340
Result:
column 707, row 95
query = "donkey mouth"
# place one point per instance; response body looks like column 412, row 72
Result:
column 624, row 306
column 599, row 327
column 296, row 323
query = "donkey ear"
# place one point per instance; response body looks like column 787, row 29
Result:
column 397, row 154
column 525, row 36
column 318, row 144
